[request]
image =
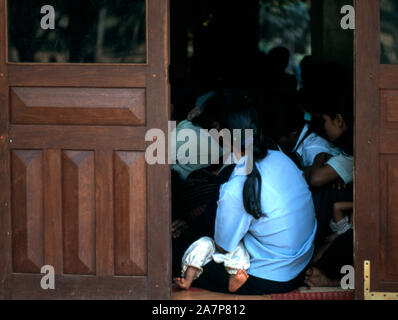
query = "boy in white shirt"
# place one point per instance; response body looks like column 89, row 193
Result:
column 296, row 138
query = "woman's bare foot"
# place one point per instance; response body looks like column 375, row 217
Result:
column 237, row 280
column 185, row 283
column 315, row 278
column 180, row 282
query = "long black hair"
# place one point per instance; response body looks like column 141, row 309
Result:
column 213, row 112
column 243, row 115
column 342, row 104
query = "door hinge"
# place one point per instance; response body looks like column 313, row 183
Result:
column 369, row 295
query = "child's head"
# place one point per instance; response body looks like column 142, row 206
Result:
column 334, row 125
column 279, row 58
column 338, row 123
column 286, row 124
column 242, row 115
column 221, row 108
column 213, row 113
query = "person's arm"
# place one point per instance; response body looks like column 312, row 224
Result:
column 232, row 222
column 339, row 209
column 322, row 174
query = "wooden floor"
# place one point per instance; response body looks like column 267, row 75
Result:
column 199, row 294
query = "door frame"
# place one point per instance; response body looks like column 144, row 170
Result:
column 5, row 180
column 366, row 62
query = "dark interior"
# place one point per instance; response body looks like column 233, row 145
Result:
column 224, row 44
column 227, row 45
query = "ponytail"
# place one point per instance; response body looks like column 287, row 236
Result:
column 241, row 114
column 252, row 186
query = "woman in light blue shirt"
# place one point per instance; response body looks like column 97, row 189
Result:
column 271, row 210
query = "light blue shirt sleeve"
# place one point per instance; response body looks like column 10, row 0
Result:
column 232, row 221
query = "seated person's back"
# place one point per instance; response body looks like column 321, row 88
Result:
column 192, row 135
column 280, row 243
column 203, row 157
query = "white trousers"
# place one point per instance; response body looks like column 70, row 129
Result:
column 204, row 250
column 342, row 226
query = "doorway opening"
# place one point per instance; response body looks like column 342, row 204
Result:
column 230, row 45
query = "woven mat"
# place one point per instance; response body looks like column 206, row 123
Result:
column 323, row 293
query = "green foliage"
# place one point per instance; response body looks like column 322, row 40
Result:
column 287, row 23
column 389, row 31
column 86, row 31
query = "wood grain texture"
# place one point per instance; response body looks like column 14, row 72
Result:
column 388, row 76
column 27, row 211
column 105, row 232
column 82, row 159
column 376, row 216
column 77, row 76
column 5, row 179
column 84, row 106
column 389, row 218
column 78, row 200
column 391, row 222
column 130, row 214
column 158, row 110
column 389, row 108
column 367, row 117
column 52, row 186
column 388, row 141
column 72, row 288
column 78, row 137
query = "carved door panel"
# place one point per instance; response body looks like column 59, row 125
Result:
column 76, row 192
column 376, row 185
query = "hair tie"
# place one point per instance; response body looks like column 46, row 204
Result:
column 307, row 116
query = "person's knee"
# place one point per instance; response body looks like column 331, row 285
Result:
column 207, row 242
column 204, row 245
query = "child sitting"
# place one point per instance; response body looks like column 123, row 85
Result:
column 340, row 224
column 295, row 136
column 275, row 221
column 338, row 126
column 202, row 252
column 334, row 177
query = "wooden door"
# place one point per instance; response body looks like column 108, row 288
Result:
column 76, row 192
column 376, row 152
